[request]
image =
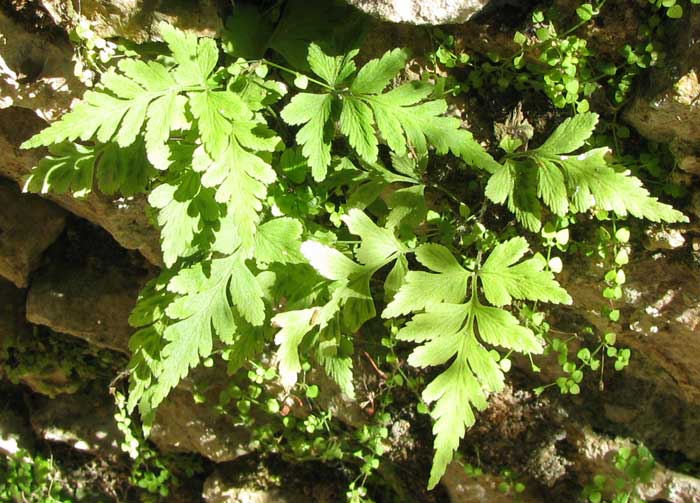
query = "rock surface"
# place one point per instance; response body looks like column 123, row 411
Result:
column 137, row 19
column 28, row 225
column 660, row 322
column 124, row 218
column 669, row 110
column 90, row 299
column 231, row 483
column 431, row 12
column 596, row 455
column 15, row 432
column 181, row 425
column 49, row 378
column 463, row 488
column 216, row 491
column 36, row 72
column 85, row 421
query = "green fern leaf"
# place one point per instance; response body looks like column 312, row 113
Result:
column 185, row 210
column 378, row 244
column 333, row 69
column 279, row 240
column 241, row 174
column 502, row 280
column 67, row 168
column 451, row 328
column 314, row 111
column 571, row 134
column 139, row 94
column 73, row 168
column 566, row 182
column 351, row 303
column 422, row 289
column 202, row 310
column 401, row 115
column 294, row 326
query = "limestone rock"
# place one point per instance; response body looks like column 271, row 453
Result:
column 85, row 421
column 669, row 109
column 49, row 378
column 431, row 12
column 124, row 218
column 215, row 491
column 50, row 381
column 596, row 455
column 663, row 239
column 28, row 225
column 181, row 425
column 463, row 488
column 332, row 399
column 137, row 19
column 35, row 72
column 671, row 114
column 661, row 325
column 91, row 300
column 228, row 485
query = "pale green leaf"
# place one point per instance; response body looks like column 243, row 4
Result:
column 501, row 184
column 500, row 328
column 378, row 244
column 438, row 258
column 201, row 310
column 376, row 74
column 329, row 262
column 423, row 289
column 455, row 392
column 332, row 69
column 356, row 122
column 294, row 325
column 279, row 240
column 67, row 168
column 571, row 134
column 502, row 280
column 314, row 111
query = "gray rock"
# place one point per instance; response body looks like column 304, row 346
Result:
column 660, row 322
column 28, row 225
column 35, row 72
column 216, row 491
column 48, row 378
column 124, row 218
column 85, row 421
column 332, row 399
column 595, row 455
column 658, row 238
column 463, row 488
column 137, row 19
column 234, row 483
column 181, row 425
column 431, row 12
column 90, row 300
column 669, row 109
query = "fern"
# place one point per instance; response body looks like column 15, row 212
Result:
column 147, row 101
column 241, row 261
column 359, row 105
column 452, row 325
column 351, row 303
column 139, row 94
column 566, row 182
column 73, row 168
